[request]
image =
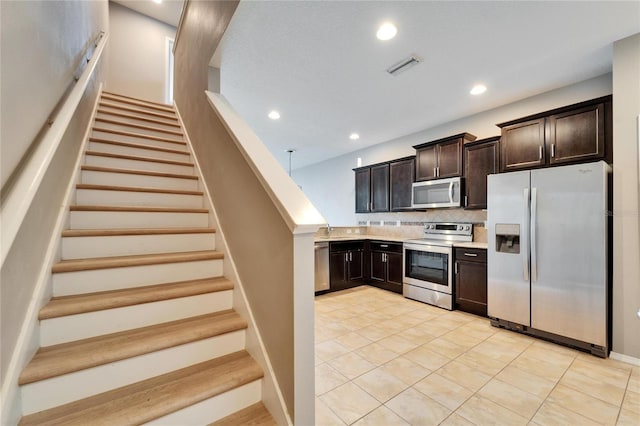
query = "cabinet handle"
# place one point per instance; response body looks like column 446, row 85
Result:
column 471, row 254
column 553, row 150
column 438, row 169
column 350, row 256
column 346, row 257
column 466, row 200
column 540, row 152
column 456, row 268
column 385, row 257
column 384, row 245
column 435, row 172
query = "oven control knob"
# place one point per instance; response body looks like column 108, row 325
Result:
column 466, row 228
column 460, row 227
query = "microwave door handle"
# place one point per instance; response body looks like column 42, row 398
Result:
column 525, row 252
column 451, row 192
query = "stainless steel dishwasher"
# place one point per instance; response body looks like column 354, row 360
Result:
column 322, row 266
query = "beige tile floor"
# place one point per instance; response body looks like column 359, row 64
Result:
column 385, row 360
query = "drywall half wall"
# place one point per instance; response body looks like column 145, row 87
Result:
column 42, row 45
column 626, row 215
column 330, row 185
column 137, row 54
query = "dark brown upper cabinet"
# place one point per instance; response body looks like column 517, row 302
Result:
column 441, row 158
column 363, row 190
column 380, row 188
column 572, row 134
column 481, row 158
column 401, row 178
column 372, row 188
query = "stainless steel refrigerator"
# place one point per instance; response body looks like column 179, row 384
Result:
column 547, row 253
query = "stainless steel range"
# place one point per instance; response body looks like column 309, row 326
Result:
column 428, row 261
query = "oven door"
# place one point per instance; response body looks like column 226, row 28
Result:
column 428, row 266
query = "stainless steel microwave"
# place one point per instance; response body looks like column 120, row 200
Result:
column 437, row 193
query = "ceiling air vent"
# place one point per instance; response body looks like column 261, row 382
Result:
column 404, row 64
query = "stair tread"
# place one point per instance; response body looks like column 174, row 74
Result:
column 137, row 102
column 137, row 172
column 75, row 265
column 91, row 302
column 120, row 95
column 139, row 158
column 156, row 397
column 139, row 145
column 64, row 358
column 254, row 415
column 134, row 231
column 78, row 208
column 133, row 117
column 136, row 189
column 137, row 111
column 138, row 126
column 138, row 135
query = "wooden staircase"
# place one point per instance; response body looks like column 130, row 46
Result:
column 140, row 328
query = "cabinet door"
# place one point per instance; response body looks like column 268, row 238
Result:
column 380, row 188
column 522, row 146
column 471, row 287
column 426, row 163
column 394, row 269
column 401, row 177
column 356, row 265
column 338, row 270
column 363, row 189
column 378, row 269
column 576, row 135
column 479, row 162
column 450, row 159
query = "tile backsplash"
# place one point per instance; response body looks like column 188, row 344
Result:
column 419, row 218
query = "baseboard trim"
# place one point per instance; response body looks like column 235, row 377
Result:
column 624, row 358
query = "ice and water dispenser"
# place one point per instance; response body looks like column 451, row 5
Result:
column 508, row 238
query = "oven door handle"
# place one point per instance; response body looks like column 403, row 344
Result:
column 451, row 192
column 428, row 248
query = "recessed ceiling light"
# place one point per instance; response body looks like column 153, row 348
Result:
column 387, row 31
column 274, row 115
column 478, row 89
column 354, row 136
column 157, row 1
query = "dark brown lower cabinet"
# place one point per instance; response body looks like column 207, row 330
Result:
column 346, row 264
column 386, row 265
column 471, row 280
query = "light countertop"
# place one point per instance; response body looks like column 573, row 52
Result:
column 370, row 237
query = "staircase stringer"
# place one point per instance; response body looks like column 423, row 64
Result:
column 29, row 338
column 271, row 394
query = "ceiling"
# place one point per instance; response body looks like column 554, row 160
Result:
column 321, row 66
column 168, row 11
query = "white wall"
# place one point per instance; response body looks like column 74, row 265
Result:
column 39, row 57
column 214, row 79
column 137, row 54
column 626, row 216
column 41, row 45
column 330, row 185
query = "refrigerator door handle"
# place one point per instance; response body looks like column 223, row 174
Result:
column 525, row 253
column 534, row 208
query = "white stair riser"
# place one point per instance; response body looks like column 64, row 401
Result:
column 63, row 389
column 141, row 106
column 127, row 128
column 81, row 282
column 82, row 326
column 145, row 181
column 122, row 163
column 172, row 117
column 215, row 408
column 140, row 152
column 111, row 220
column 123, row 245
column 138, row 119
column 138, row 139
column 95, row 197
